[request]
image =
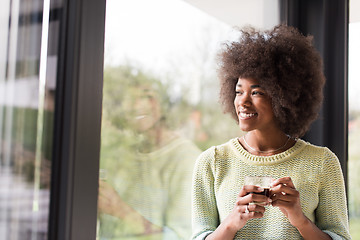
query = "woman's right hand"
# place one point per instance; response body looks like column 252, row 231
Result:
column 109, row 201
column 245, row 209
column 248, row 205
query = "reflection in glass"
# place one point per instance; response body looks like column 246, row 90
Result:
column 160, row 111
column 354, row 129
column 147, row 163
column 27, row 83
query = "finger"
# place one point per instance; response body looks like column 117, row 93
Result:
column 286, row 198
column 103, row 201
column 253, row 198
column 103, row 184
column 243, row 209
column 252, row 215
column 256, row 208
column 246, row 189
column 287, row 181
column 284, row 190
column 258, row 199
column 107, row 192
column 282, row 203
column 248, row 211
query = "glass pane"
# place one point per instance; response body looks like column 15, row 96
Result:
column 160, row 111
column 354, row 119
column 29, row 32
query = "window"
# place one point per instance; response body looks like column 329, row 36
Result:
column 354, row 119
column 29, row 33
column 160, row 110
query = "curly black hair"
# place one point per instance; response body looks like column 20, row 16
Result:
column 286, row 64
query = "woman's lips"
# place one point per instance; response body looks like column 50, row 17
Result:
column 244, row 115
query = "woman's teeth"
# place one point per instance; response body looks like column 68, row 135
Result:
column 139, row 117
column 247, row 115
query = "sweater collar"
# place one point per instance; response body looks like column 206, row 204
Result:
column 267, row 160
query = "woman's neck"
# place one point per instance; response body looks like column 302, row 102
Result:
column 266, row 144
column 155, row 138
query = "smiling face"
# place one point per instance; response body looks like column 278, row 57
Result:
column 142, row 106
column 253, row 106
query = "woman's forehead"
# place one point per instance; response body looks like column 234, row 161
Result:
column 253, row 83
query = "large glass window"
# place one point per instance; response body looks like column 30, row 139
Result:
column 354, row 119
column 160, row 110
column 28, row 56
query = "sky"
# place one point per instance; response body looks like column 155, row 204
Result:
column 169, row 38
column 354, row 66
column 152, row 30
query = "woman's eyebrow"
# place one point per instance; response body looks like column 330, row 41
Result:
column 252, row 86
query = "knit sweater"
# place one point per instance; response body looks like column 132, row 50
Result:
column 157, row 185
column 315, row 171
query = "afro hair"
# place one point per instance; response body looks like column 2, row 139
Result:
column 287, row 66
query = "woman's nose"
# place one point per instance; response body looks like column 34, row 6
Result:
column 244, row 100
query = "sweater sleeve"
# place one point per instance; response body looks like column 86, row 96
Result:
column 205, row 217
column 331, row 213
column 178, row 213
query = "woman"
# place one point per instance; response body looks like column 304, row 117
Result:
column 271, row 82
column 145, row 193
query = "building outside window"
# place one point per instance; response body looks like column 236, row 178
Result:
column 28, row 51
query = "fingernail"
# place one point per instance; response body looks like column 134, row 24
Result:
column 261, row 189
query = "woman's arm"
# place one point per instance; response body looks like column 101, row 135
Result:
column 205, row 214
column 309, row 230
column 179, row 177
column 109, row 202
column 205, row 217
column 287, row 199
column 331, row 213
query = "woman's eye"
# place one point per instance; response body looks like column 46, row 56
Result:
column 257, row 93
column 238, row 92
column 148, row 96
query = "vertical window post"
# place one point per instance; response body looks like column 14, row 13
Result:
column 77, row 121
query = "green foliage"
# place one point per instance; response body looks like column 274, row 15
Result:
column 353, row 174
column 124, row 82
column 354, row 165
column 355, row 228
column 216, row 126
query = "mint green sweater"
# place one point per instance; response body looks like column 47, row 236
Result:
column 219, row 175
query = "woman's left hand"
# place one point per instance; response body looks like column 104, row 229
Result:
column 287, row 198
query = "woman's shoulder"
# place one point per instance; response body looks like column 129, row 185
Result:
column 315, row 148
column 209, row 159
column 217, row 151
column 319, row 152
